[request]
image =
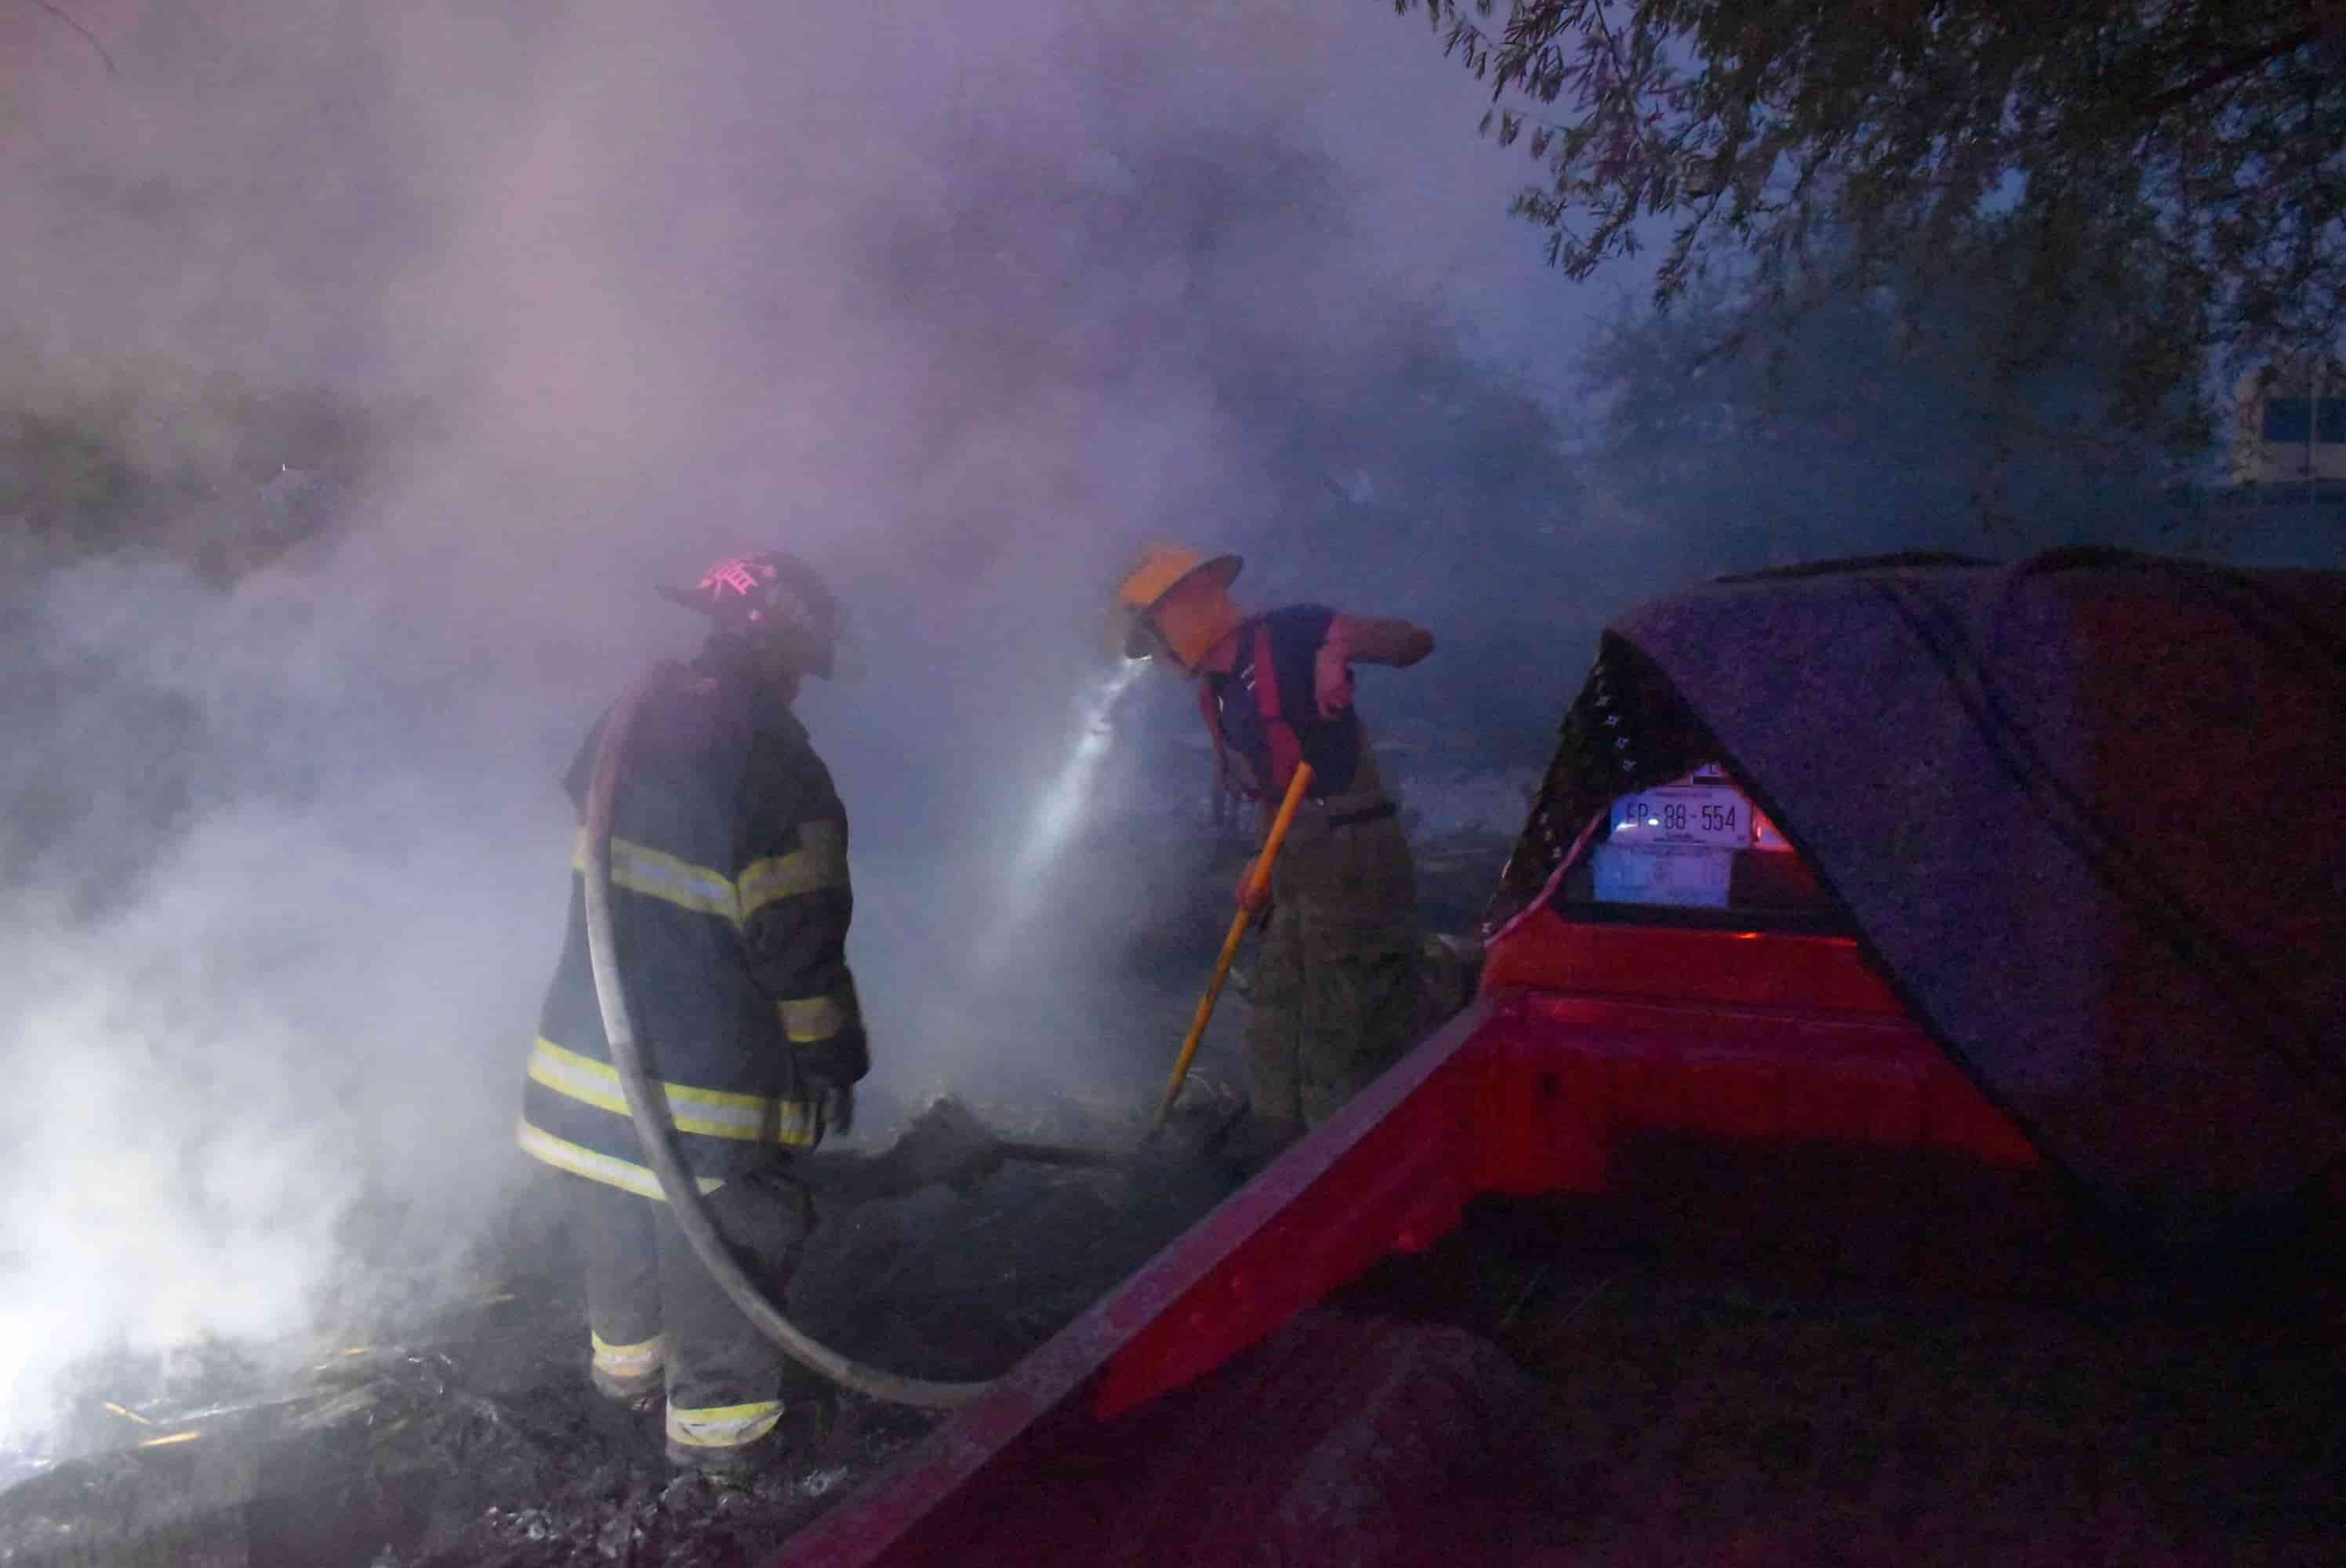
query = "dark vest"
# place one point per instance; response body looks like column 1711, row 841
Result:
column 1243, row 705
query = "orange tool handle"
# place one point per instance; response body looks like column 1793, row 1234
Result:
column 1257, row 880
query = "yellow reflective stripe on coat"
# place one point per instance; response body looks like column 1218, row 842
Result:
column 723, row 1426
column 815, row 1018
column 800, row 1123
column 819, row 862
column 640, row 869
column 629, row 1361
column 710, row 1113
column 627, row 1176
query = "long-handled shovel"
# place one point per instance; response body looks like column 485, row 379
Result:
column 1258, row 882
column 947, row 1142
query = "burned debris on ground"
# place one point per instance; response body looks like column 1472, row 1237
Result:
column 479, row 1440
column 470, row 1435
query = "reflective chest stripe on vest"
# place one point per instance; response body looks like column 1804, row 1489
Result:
column 820, row 862
column 657, row 875
column 709, row 1113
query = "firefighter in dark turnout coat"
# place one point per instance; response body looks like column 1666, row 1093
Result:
column 730, row 911
column 1336, row 995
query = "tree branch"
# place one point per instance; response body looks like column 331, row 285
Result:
column 2158, row 104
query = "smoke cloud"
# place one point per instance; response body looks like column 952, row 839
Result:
column 961, row 309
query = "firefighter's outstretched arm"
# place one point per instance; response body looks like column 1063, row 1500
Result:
column 1370, row 640
column 1380, row 639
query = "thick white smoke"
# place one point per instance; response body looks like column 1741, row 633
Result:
column 645, row 285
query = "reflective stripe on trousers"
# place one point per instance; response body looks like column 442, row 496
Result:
column 629, row 1361
column 724, row 1378
column 727, row 1426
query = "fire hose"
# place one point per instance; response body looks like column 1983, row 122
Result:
column 646, row 1107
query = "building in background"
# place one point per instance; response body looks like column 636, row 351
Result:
column 2289, row 431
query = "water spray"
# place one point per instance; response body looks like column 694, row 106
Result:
column 1061, row 808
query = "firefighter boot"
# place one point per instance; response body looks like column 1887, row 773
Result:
column 634, row 1375
column 637, row 1392
column 735, row 1466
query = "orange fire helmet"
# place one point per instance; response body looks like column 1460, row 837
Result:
column 1155, row 616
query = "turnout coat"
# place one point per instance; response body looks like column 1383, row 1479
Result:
column 730, row 909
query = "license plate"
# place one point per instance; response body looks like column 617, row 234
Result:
column 1690, row 875
column 1684, row 814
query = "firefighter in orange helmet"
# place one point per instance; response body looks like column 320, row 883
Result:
column 1335, row 996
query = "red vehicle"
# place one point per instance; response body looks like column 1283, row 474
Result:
column 1935, row 920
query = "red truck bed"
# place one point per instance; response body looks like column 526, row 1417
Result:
column 1528, row 1092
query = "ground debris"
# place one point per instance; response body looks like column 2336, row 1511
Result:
column 474, row 1439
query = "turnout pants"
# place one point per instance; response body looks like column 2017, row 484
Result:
column 1334, row 1000
column 655, row 1316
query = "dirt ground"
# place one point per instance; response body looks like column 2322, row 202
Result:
column 1696, row 1412
column 474, row 1437
column 1757, row 1411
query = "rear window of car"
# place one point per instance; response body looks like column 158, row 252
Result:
column 1696, row 850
